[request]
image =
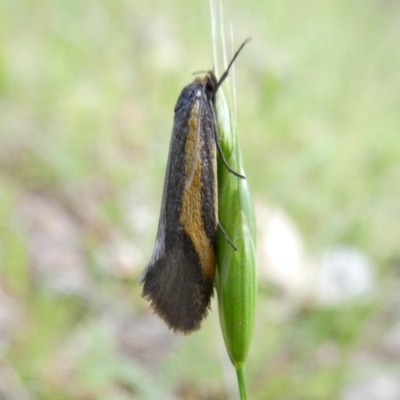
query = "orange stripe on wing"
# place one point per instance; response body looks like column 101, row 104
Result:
column 191, row 217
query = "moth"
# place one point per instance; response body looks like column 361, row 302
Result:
column 179, row 278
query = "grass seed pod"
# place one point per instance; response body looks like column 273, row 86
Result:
column 237, row 278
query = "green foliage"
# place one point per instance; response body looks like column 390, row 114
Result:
column 237, row 276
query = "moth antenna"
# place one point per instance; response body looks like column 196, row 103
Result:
column 225, row 74
column 199, row 72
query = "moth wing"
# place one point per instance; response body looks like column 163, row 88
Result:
column 174, row 281
column 159, row 246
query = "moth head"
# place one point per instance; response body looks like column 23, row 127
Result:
column 210, row 85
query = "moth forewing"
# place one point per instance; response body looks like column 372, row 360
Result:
column 179, row 278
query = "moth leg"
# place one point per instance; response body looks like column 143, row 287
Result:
column 226, row 236
column 232, row 171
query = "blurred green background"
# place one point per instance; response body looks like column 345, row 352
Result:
column 87, row 92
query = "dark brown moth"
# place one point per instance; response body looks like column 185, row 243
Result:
column 179, row 278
